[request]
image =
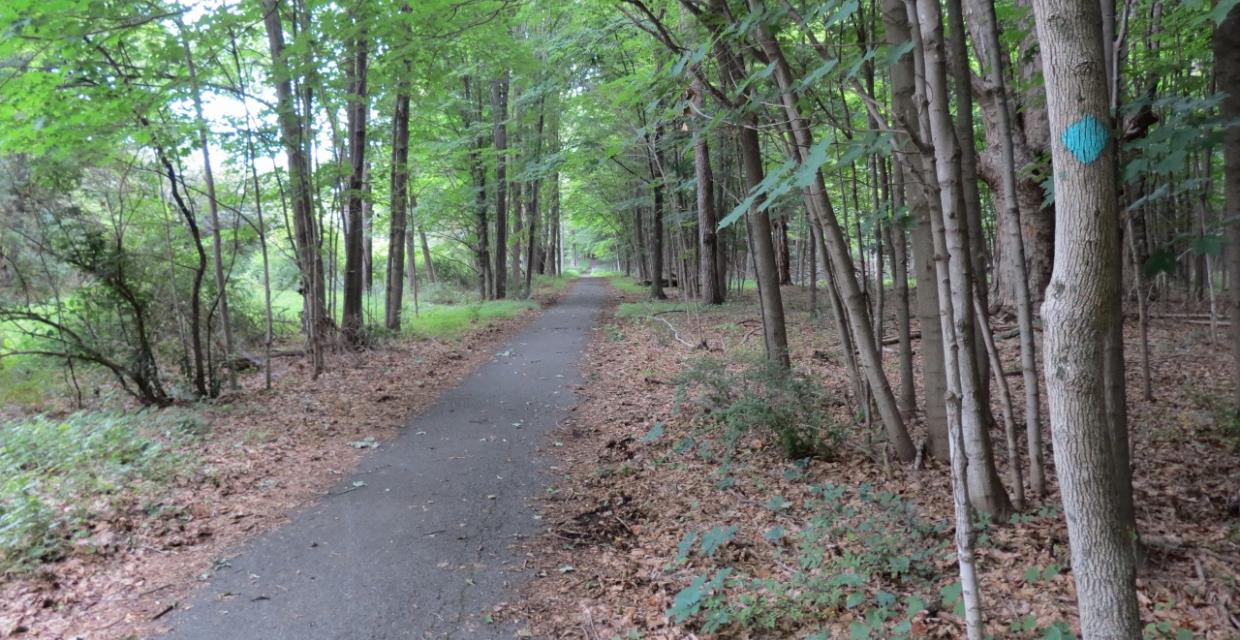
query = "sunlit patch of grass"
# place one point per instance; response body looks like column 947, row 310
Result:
column 629, row 285
column 443, row 321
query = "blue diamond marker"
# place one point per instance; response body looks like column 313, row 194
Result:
column 1086, row 139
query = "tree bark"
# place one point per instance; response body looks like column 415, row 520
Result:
column 1227, row 74
column 713, row 289
column 838, row 252
column 917, row 196
column 763, row 249
column 499, row 114
column 306, row 233
column 1010, row 219
column 213, row 209
column 657, row 181
column 354, row 247
column 1078, row 315
column 399, row 209
column 986, row 492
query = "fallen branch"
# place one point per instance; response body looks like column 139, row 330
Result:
column 675, row 332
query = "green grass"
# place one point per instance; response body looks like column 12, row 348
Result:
column 628, row 284
column 443, row 311
column 25, row 381
column 445, row 321
column 61, row 476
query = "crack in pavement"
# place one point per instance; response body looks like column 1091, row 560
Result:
column 391, row 559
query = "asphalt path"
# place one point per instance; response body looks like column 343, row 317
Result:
column 417, row 542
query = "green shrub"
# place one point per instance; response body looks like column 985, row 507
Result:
column 757, row 395
column 859, row 549
column 59, row 476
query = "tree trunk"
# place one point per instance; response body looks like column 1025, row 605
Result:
column 1227, row 74
column 837, row 251
column 766, row 272
column 354, row 245
column 657, row 181
column 916, row 196
column 472, row 116
column 708, row 217
column 1010, row 220
column 899, row 274
column 499, row 114
column 306, row 233
column 213, row 208
column 399, row 209
column 986, row 492
column 251, row 157
column 1078, row 315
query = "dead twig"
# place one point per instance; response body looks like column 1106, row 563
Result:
column 675, row 331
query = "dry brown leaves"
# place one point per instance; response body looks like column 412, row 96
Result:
column 266, row 453
column 621, row 505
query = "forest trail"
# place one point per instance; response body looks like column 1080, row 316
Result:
column 415, row 543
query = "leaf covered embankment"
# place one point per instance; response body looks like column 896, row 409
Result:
column 674, row 518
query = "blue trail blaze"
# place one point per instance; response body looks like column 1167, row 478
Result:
column 1086, row 139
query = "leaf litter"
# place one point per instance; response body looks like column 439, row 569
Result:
column 636, row 500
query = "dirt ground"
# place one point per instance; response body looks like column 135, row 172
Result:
column 613, row 560
column 265, row 454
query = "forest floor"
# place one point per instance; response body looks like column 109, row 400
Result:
column 665, row 523
column 263, row 454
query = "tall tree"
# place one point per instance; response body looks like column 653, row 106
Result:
column 399, row 191
column 1078, row 315
column 358, row 107
column 294, row 138
column 499, row 114
column 709, row 251
column 1227, row 75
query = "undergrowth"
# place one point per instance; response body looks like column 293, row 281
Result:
column 857, row 551
column 755, row 395
column 59, row 476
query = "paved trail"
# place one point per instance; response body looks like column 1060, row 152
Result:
column 421, row 549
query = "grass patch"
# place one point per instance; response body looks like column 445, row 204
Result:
column 628, row 284
column 445, row 321
column 61, row 476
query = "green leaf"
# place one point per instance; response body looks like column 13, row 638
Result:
column 951, row 593
column 1058, row 631
column 716, row 538
column 1161, row 261
column 1209, row 245
column 688, row 601
column 655, row 433
column 773, row 534
column 686, row 546
column 778, row 503
column 1224, row 7
column 855, row 598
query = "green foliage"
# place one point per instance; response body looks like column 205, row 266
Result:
column 442, row 321
column 859, row 547
column 758, row 396
column 628, row 285
column 60, row 476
